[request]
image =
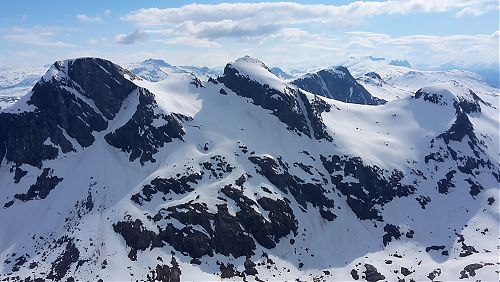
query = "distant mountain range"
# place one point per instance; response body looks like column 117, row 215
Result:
column 155, row 70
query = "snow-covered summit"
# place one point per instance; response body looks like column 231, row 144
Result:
column 249, row 62
column 448, row 92
column 157, row 62
column 256, row 70
column 57, row 71
column 451, row 93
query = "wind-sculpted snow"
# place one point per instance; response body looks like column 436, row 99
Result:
column 105, row 176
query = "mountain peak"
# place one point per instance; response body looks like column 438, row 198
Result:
column 248, row 62
column 248, row 59
column 400, row 63
column 61, row 69
column 462, row 98
column 256, row 70
column 98, row 79
column 337, row 83
column 156, row 62
column 57, row 71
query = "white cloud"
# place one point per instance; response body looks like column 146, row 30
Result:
column 468, row 11
column 38, row 36
column 256, row 19
column 225, row 28
column 87, row 19
column 190, row 41
column 428, row 49
column 378, row 39
column 99, row 40
column 131, row 38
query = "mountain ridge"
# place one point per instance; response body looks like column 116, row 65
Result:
column 245, row 176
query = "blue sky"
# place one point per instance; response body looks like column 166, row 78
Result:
column 289, row 34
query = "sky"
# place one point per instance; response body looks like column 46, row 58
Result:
column 212, row 33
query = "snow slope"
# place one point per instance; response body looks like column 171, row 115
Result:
column 246, row 177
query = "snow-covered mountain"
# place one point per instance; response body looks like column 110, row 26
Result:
column 155, row 70
column 107, row 176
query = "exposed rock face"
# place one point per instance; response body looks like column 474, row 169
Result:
column 60, row 267
column 136, row 236
column 62, row 108
column 141, row 137
column 470, row 270
column 391, row 231
column 179, row 185
column 227, row 235
column 372, row 187
column 337, row 84
column 283, row 105
column 290, row 105
column 314, row 110
column 372, row 78
column 266, row 233
column 277, row 173
column 41, row 189
column 372, row 274
column 112, row 87
column 76, row 98
column 165, row 273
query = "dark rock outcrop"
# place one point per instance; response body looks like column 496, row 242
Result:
column 266, row 233
column 302, row 192
column 61, row 108
column 314, row 110
column 372, row 274
column 45, row 182
column 470, row 270
column 112, row 87
column 62, row 264
column 372, row 187
column 136, row 236
column 139, row 137
column 337, row 84
column 165, row 273
column 284, row 105
column 391, row 231
column 178, row 185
